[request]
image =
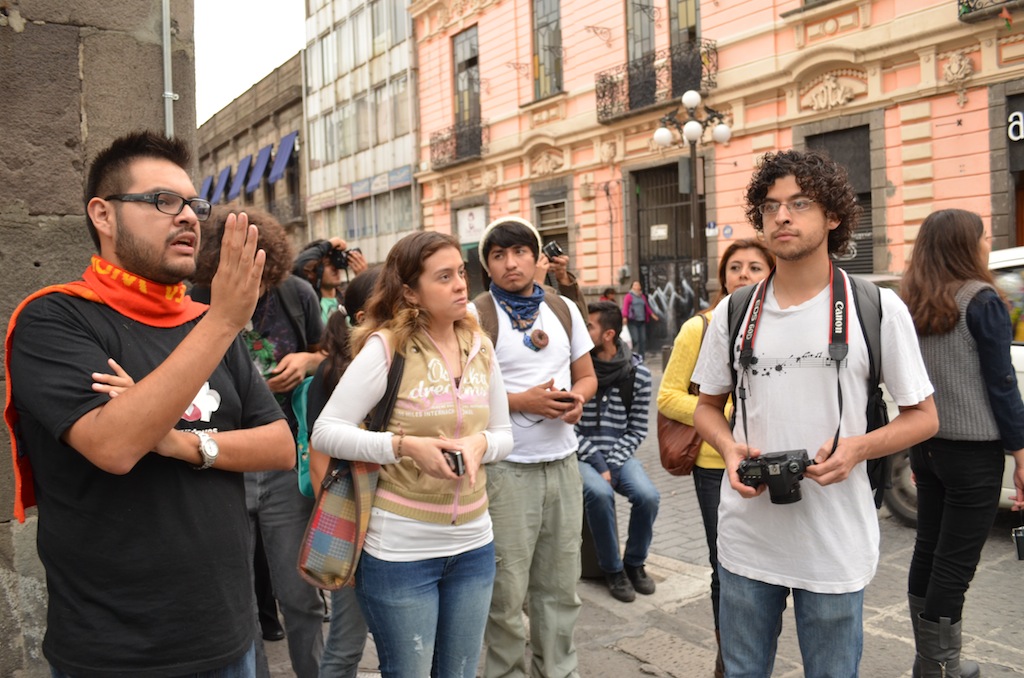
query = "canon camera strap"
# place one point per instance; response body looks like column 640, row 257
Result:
column 838, row 345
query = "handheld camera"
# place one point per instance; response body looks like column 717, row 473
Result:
column 782, row 471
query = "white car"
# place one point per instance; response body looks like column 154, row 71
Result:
column 1007, row 267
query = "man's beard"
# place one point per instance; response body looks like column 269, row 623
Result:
column 135, row 259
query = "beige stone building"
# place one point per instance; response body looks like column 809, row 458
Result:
column 250, row 150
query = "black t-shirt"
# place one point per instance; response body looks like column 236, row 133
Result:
column 273, row 334
column 148, row 572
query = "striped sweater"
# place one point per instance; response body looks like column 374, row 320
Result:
column 609, row 435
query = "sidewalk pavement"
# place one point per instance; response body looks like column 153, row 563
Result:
column 671, row 633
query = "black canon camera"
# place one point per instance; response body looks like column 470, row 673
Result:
column 552, row 250
column 339, row 258
column 782, row 471
column 455, row 461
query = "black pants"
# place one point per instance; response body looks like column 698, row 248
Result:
column 958, row 484
column 708, row 484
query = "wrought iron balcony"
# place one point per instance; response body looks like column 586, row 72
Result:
column 461, row 142
column 656, row 78
column 973, row 11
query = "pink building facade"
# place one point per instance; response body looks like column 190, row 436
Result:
column 547, row 110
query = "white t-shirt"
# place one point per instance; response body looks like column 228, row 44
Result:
column 828, row 541
column 535, row 438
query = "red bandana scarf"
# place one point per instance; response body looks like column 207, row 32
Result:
column 150, row 303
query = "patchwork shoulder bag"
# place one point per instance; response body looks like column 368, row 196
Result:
column 337, row 529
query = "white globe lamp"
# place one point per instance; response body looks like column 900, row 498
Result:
column 663, row 137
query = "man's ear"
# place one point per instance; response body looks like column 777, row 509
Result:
column 608, row 336
column 102, row 215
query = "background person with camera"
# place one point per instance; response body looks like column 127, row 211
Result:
column 796, row 396
column 322, row 262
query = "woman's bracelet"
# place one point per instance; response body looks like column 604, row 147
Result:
column 401, row 439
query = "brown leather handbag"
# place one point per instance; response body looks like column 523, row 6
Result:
column 679, row 443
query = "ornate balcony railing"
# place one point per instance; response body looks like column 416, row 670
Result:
column 461, row 142
column 656, row 78
column 973, row 11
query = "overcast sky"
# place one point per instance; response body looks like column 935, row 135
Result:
column 238, row 42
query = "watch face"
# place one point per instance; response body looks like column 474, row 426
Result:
column 209, row 449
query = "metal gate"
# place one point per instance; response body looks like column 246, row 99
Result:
column 673, row 259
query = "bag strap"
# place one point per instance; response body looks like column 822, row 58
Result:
column 386, row 406
column 869, row 313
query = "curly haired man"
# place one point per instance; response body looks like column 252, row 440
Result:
column 801, row 369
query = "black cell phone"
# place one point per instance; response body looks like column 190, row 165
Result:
column 566, row 399
column 455, row 462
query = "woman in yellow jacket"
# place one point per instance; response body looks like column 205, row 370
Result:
column 745, row 262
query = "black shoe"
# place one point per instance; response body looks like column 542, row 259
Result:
column 619, row 587
column 273, row 631
column 641, row 582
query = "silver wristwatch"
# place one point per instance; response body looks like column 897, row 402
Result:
column 208, row 449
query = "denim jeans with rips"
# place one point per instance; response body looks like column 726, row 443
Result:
column 427, row 611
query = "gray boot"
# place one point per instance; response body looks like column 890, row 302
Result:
column 916, row 604
column 938, row 651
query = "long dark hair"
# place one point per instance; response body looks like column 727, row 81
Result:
column 335, row 343
column 947, row 254
column 388, row 308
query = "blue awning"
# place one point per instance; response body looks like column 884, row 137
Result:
column 204, row 192
column 236, row 185
column 259, row 168
column 222, row 182
column 284, row 154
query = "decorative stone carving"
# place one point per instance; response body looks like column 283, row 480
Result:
column 546, row 163
column 440, row 192
column 830, row 94
column 608, row 152
column 959, row 69
column 490, row 179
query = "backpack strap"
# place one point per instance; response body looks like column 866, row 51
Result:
column 487, row 315
column 739, row 302
column 869, row 313
column 288, row 294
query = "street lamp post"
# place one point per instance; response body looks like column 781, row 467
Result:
column 691, row 131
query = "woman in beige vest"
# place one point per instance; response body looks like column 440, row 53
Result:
column 426, row 572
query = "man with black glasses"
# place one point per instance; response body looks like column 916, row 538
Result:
column 801, row 366
column 142, row 526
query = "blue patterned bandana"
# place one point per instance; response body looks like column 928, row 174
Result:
column 522, row 311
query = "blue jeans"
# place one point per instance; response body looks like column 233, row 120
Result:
column 427, row 611
column 829, row 627
column 708, row 484
column 282, row 512
column 599, row 503
column 346, row 636
column 638, row 333
column 958, row 485
column 243, row 667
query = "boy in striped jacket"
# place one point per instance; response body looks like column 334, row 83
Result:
column 613, row 425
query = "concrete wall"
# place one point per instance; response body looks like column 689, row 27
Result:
column 74, row 74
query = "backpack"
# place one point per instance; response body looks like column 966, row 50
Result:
column 299, row 401
column 869, row 312
column 487, row 315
